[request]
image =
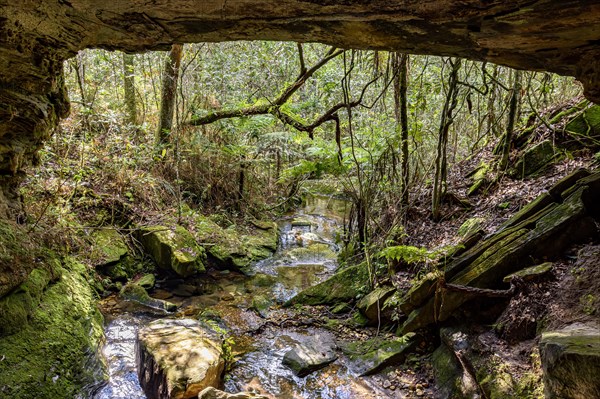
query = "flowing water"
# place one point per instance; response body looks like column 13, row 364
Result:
column 306, row 255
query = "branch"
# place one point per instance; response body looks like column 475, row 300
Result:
column 273, row 107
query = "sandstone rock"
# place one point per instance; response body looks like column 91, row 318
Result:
column 178, row 358
column 534, row 159
column 383, row 353
column 213, row 393
column 344, row 286
column 137, row 293
column 310, row 356
column 173, row 249
column 371, row 305
column 530, row 272
column 147, row 281
column 489, row 262
column 231, row 249
column 108, row 247
column 571, row 362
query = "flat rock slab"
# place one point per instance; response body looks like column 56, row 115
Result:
column 178, row 358
column 213, row 393
column 310, row 356
column 571, row 361
column 372, row 356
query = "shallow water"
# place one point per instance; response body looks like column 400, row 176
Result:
column 306, row 255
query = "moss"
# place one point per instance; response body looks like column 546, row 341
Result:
column 136, row 293
column 174, row 249
column 17, row 256
column 535, row 159
column 470, row 226
column 56, row 354
column 380, row 353
column 231, row 249
column 107, row 247
column 344, row 286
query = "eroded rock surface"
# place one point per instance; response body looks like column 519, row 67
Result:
column 178, row 358
column 311, row 355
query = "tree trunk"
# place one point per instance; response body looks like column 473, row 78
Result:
column 169, row 89
column 401, row 113
column 512, row 116
column 439, row 183
column 129, row 87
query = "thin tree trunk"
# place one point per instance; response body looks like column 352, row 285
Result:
column 169, row 88
column 129, row 88
column 512, row 116
column 439, row 184
column 401, row 109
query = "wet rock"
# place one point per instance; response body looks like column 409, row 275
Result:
column 213, row 393
column 178, row 358
column 382, row 353
column 310, row 356
column 173, row 249
column 344, row 286
column 571, row 361
column 137, row 293
column 372, row 304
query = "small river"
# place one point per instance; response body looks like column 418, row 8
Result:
column 306, row 255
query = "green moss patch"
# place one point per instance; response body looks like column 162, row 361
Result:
column 56, row 354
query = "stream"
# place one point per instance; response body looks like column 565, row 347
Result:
column 306, row 255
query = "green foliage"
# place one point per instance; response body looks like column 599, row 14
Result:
column 406, row 254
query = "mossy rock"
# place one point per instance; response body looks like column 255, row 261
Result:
column 173, row 249
column 344, row 286
column 479, row 176
column 585, row 127
column 18, row 255
column 147, row 281
column 107, row 247
column 56, row 355
column 571, row 361
column 371, row 305
column 231, row 249
column 535, row 160
column 381, row 353
column 136, row 293
column 530, row 273
column 470, row 226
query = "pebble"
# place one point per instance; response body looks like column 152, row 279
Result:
column 387, row 384
column 420, row 392
column 392, row 388
column 419, row 386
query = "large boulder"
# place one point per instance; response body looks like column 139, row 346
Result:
column 571, row 362
column 178, row 358
column 230, row 248
column 57, row 353
column 310, row 356
column 173, row 249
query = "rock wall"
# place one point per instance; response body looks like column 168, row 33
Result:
column 36, row 37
